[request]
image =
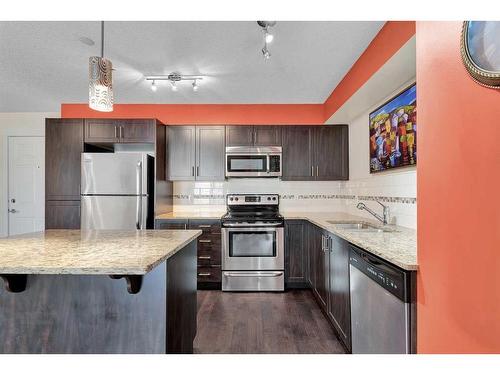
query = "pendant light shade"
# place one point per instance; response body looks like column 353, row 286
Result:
column 101, row 80
column 100, row 84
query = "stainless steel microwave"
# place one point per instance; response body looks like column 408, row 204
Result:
column 253, row 161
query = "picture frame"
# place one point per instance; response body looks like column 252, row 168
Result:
column 393, row 132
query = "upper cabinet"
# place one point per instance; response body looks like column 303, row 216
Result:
column 120, row 131
column 196, row 153
column 297, row 160
column 319, row 153
column 63, row 147
column 244, row 135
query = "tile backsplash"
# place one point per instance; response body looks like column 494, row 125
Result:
column 395, row 190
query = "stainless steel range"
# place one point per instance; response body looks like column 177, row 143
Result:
column 253, row 243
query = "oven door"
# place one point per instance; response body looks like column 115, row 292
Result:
column 247, row 165
column 252, row 248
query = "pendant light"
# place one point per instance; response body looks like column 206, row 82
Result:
column 101, row 80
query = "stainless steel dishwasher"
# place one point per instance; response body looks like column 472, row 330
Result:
column 382, row 306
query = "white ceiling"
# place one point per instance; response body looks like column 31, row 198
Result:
column 43, row 64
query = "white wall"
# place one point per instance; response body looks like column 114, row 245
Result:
column 396, row 184
column 16, row 124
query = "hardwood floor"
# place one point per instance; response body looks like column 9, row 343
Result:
column 289, row 322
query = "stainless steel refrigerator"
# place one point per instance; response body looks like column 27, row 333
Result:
column 117, row 191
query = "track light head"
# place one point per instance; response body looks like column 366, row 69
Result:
column 195, row 86
column 266, row 53
column 174, row 86
column 153, row 86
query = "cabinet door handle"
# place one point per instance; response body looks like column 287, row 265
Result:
column 204, row 257
column 116, row 133
column 204, row 241
column 317, row 171
column 192, row 170
column 197, row 170
column 312, row 170
column 204, row 226
column 121, row 131
column 204, row 274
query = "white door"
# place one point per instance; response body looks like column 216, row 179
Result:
column 26, row 184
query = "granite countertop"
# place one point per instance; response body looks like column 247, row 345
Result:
column 95, row 252
column 399, row 246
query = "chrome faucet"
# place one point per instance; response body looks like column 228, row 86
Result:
column 385, row 216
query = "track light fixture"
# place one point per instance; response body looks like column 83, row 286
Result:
column 268, row 37
column 154, row 88
column 173, row 79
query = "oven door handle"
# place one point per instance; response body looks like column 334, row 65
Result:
column 252, row 225
column 253, row 274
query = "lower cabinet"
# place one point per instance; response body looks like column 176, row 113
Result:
column 339, row 306
column 209, row 248
column 296, row 241
column 62, row 215
column 327, row 274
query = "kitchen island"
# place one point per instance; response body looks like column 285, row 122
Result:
column 71, row 291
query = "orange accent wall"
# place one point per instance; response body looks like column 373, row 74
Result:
column 458, row 182
column 386, row 43
column 207, row 114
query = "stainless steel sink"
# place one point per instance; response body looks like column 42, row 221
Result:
column 362, row 227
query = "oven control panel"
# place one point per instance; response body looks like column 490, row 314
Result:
column 252, row 199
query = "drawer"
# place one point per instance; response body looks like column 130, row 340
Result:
column 210, row 257
column 209, row 241
column 209, row 274
column 208, row 226
column 171, row 224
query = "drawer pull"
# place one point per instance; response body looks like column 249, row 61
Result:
column 204, row 274
column 204, row 257
column 204, row 241
column 204, row 226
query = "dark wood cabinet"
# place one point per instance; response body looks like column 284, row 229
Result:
column 137, row 131
column 104, row 131
column 297, row 154
column 171, row 224
column 339, row 306
column 267, row 135
column 319, row 153
column 331, row 152
column 296, row 253
column 242, row 135
column 210, row 153
column 248, row 135
column 209, row 253
column 182, row 153
column 63, row 148
column 62, row 215
column 196, row 153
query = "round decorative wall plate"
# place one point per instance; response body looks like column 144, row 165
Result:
column 480, row 48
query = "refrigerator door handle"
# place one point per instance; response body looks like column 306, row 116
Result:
column 139, row 195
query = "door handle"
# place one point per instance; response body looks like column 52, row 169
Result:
column 317, row 171
column 203, row 257
column 204, row 241
column 253, row 274
column 139, row 197
column 192, row 170
column 116, row 133
column 13, row 210
column 204, row 274
column 312, row 170
column 197, row 170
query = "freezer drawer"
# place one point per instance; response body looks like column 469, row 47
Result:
column 114, row 174
column 114, row 212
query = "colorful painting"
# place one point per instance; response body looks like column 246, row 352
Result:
column 393, row 132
